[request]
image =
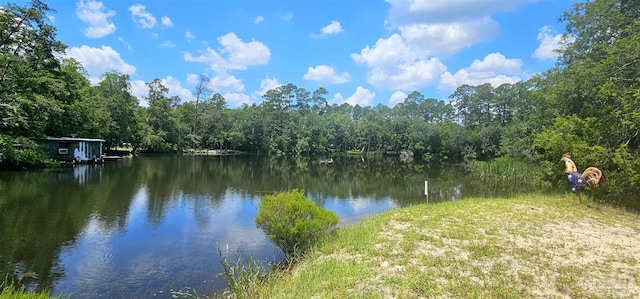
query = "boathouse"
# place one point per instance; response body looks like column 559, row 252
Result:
column 79, row 150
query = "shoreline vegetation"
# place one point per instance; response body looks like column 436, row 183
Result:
column 530, row 246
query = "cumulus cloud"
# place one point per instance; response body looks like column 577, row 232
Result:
column 176, row 89
column 236, row 99
column 326, row 74
column 96, row 15
column 428, row 29
column 265, row 85
column 395, row 65
column 445, row 27
column 361, row 96
column 226, row 83
column 140, row 90
column 448, row 38
column 140, row 15
column 97, row 61
column 550, row 42
column 397, row 97
column 404, row 12
column 234, row 54
column 166, row 21
column 495, row 68
column 258, row 19
column 333, row 28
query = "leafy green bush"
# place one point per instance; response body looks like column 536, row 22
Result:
column 21, row 153
column 293, row 222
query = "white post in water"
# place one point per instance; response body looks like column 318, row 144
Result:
column 426, row 190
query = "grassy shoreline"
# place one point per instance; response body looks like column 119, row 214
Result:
column 534, row 246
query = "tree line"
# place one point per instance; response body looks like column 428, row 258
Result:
column 588, row 103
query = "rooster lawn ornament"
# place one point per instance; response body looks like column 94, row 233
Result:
column 577, row 181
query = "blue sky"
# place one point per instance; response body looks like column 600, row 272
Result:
column 362, row 52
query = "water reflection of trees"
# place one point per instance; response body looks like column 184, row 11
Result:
column 43, row 212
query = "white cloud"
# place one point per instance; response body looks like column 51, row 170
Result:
column 287, row 16
column 397, row 97
column 386, row 53
column 405, row 12
column 448, row 38
column 494, row 68
column 336, row 99
column 549, row 43
column 258, row 19
column 408, row 76
column 333, row 28
column 226, row 83
column 140, row 90
column 189, row 35
column 395, row 65
column 265, row 85
column 97, row 61
column 167, row 44
column 437, row 27
column 362, row 97
column 176, row 89
column 326, row 74
column 236, row 99
column 97, row 17
column 166, row 21
column 239, row 55
column 140, row 15
column 193, row 79
column 125, row 43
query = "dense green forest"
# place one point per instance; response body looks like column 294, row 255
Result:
column 589, row 104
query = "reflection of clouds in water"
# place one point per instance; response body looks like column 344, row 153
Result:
column 138, row 206
column 362, row 204
column 232, row 222
column 91, row 257
column 143, row 258
column 355, row 208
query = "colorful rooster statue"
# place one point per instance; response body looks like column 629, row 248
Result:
column 589, row 178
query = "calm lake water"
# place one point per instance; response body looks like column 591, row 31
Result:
column 146, row 226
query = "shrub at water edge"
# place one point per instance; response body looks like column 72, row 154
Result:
column 293, row 222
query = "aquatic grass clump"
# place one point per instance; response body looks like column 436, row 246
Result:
column 506, row 170
column 8, row 290
column 243, row 275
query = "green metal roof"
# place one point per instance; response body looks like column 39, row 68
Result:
column 74, row 139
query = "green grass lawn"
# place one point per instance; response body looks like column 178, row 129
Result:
column 527, row 247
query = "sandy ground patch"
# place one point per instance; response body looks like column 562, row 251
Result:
column 543, row 254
